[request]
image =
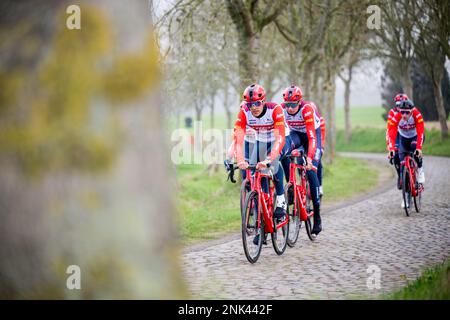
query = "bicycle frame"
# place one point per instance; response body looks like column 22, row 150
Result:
column 266, row 208
column 299, row 189
column 411, row 166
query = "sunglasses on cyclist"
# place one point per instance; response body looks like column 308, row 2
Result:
column 291, row 105
column 405, row 111
column 254, row 104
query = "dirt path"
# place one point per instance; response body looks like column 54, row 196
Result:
column 372, row 230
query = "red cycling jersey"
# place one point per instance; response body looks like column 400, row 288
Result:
column 306, row 120
column 391, row 114
column 409, row 128
column 269, row 125
column 322, row 126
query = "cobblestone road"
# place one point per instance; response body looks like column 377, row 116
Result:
column 374, row 231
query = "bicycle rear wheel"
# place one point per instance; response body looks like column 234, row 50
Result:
column 406, row 190
column 293, row 215
column 252, row 228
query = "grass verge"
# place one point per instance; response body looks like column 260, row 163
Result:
column 433, row 284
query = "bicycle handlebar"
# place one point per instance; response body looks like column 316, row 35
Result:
column 232, row 167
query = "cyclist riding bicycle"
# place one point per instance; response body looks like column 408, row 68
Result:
column 266, row 119
column 409, row 126
column 304, row 131
column 392, row 112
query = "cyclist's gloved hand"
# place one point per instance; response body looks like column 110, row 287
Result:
column 308, row 163
column 228, row 164
column 418, row 153
column 391, row 157
column 243, row 165
column 263, row 164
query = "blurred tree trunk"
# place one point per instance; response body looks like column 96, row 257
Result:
column 227, row 108
column 329, row 89
column 407, row 83
column 77, row 212
column 307, row 78
column 198, row 111
column 440, row 103
column 347, row 83
column 293, row 65
column 248, row 58
column 211, row 106
column 348, row 129
column 178, row 118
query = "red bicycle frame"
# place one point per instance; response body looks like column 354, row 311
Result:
column 411, row 166
column 300, row 190
column 265, row 206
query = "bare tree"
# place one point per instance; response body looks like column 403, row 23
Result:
column 250, row 17
column 430, row 34
column 357, row 54
column 347, row 79
column 394, row 39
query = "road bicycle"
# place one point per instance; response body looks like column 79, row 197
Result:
column 257, row 216
column 299, row 199
column 411, row 189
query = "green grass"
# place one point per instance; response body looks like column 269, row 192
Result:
column 433, row 284
column 373, row 140
column 345, row 172
column 362, row 117
column 208, row 206
column 220, row 122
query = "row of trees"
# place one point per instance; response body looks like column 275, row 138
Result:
column 417, row 31
column 224, row 46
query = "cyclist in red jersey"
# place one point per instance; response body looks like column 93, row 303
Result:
column 409, row 126
column 304, row 131
column 266, row 119
column 391, row 114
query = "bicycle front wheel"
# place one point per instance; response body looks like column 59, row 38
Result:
column 293, row 215
column 252, row 227
column 245, row 188
column 280, row 235
column 418, row 196
column 406, row 190
column 309, row 223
